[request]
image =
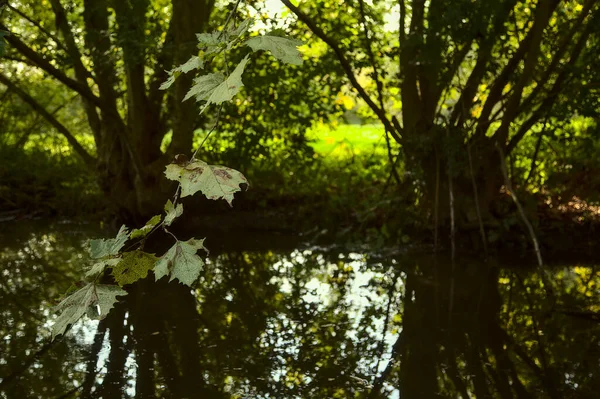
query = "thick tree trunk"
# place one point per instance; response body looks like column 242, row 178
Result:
column 130, row 162
column 445, row 168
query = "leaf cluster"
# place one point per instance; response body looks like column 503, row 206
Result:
column 181, row 261
column 217, row 88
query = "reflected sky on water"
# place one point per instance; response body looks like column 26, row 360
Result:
column 301, row 323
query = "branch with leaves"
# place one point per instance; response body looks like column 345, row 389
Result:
column 181, row 262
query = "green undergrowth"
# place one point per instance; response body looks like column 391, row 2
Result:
column 35, row 182
column 340, row 182
column 346, row 187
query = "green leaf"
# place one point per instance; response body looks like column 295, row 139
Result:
column 172, row 212
column 72, row 308
column 181, row 262
column 213, row 39
column 99, row 267
column 193, row 63
column 76, row 305
column 215, row 182
column 284, row 49
column 107, row 297
column 143, row 232
column 214, row 90
column 166, row 84
column 204, row 85
column 133, row 266
column 110, row 247
column 240, row 29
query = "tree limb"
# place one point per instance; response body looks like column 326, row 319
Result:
column 379, row 85
column 508, row 71
column 346, row 66
column 45, row 65
column 543, row 13
column 81, row 73
column 465, row 101
column 87, row 158
column 528, row 103
column 37, row 25
column 552, row 96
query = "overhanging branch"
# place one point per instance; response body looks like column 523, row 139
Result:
column 87, row 158
column 42, row 63
column 347, row 68
column 81, row 72
column 37, row 25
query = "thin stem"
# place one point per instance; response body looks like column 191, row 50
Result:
column 536, row 246
column 476, row 197
column 437, row 201
column 231, row 14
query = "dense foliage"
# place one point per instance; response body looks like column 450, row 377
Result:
column 460, row 86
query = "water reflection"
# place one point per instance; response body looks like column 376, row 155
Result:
column 306, row 323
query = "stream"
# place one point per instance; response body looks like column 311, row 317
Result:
column 294, row 320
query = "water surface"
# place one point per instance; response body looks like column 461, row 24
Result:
column 301, row 322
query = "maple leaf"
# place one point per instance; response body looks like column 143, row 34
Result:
column 172, row 212
column 143, row 231
column 133, row 266
column 92, row 299
column 181, row 262
column 215, row 182
column 282, row 48
column 109, row 247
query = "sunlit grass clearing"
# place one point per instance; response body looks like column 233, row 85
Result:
column 347, row 140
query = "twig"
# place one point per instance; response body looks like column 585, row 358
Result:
column 476, row 197
column 536, row 152
column 231, row 14
column 397, row 134
column 532, row 235
column 437, row 201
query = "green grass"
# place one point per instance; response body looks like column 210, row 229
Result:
column 348, row 140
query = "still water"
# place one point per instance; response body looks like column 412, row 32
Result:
column 300, row 322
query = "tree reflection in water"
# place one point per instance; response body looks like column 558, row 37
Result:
column 310, row 323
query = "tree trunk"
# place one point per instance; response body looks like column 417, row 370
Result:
column 445, row 166
column 130, row 162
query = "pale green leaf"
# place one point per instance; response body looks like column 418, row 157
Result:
column 172, row 211
column 210, row 39
column 204, row 86
column 107, row 297
column 284, row 49
column 101, row 248
column 224, row 91
column 73, row 307
column 133, row 266
column 101, row 265
column 215, row 182
column 181, row 262
column 143, row 231
column 240, row 29
column 167, row 83
column 193, row 63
